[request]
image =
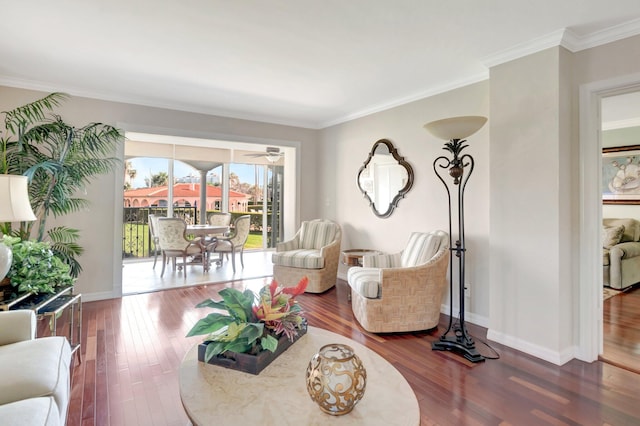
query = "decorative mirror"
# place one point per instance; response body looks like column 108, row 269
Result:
column 384, row 178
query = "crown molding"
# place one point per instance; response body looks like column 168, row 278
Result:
column 567, row 39
column 524, row 49
column 142, row 101
column 408, row 99
column 577, row 43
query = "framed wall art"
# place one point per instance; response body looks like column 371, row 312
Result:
column 621, row 175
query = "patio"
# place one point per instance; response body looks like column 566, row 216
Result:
column 139, row 276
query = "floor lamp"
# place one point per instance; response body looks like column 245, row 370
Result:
column 14, row 207
column 454, row 130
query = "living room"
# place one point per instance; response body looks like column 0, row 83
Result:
column 533, row 205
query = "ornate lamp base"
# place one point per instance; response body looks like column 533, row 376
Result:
column 469, row 351
column 6, row 257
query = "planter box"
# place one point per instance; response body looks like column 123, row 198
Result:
column 252, row 364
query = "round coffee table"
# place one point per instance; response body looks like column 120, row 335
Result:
column 278, row 395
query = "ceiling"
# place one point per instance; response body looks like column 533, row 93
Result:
column 298, row 62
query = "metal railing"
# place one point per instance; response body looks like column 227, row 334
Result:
column 136, row 236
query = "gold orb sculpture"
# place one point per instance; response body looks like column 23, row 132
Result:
column 336, row 379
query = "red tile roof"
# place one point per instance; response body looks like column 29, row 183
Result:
column 185, row 190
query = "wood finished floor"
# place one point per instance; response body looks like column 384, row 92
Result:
column 621, row 330
column 132, row 348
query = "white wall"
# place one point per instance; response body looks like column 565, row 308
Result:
column 345, row 148
column 101, row 260
column 530, row 232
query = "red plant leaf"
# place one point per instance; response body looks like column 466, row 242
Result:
column 299, row 289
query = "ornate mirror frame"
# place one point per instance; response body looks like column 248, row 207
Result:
column 366, row 183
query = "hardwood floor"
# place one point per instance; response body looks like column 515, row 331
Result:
column 621, row 330
column 132, row 348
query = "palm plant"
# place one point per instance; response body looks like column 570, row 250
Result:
column 59, row 160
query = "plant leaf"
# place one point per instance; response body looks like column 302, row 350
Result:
column 237, row 346
column 239, row 305
column 210, row 324
column 213, row 349
column 210, row 303
column 269, row 343
column 252, row 332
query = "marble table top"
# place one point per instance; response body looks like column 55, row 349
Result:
column 278, row 395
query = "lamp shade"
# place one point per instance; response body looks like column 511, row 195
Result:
column 14, row 199
column 455, row 127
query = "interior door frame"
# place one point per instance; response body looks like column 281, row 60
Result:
column 590, row 316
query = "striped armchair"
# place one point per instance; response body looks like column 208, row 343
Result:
column 313, row 252
column 402, row 291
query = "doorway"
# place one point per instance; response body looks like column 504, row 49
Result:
column 620, row 133
column 590, row 300
column 238, row 178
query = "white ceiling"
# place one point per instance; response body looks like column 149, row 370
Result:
column 299, row 62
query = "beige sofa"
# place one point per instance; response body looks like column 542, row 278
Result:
column 621, row 252
column 35, row 384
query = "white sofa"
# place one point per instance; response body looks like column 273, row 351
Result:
column 35, row 379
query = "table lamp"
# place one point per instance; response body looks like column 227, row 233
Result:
column 14, row 207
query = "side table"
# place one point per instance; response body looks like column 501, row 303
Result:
column 353, row 257
column 51, row 307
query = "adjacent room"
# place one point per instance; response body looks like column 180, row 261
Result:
column 289, row 212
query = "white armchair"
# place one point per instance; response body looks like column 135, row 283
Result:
column 402, row 291
column 313, row 252
column 36, row 380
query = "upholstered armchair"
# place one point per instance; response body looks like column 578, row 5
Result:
column 313, row 252
column 402, row 291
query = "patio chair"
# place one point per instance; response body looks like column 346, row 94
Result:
column 232, row 243
column 153, row 226
column 174, row 243
column 217, row 219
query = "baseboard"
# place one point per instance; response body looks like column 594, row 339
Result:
column 102, row 295
column 476, row 319
column 554, row 357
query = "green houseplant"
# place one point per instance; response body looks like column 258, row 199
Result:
column 253, row 322
column 60, row 160
column 35, row 268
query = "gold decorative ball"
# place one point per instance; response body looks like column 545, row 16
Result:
column 336, row 379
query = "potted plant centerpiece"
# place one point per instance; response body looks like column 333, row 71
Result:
column 255, row 329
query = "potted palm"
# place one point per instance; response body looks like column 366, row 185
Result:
column 59, row 160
